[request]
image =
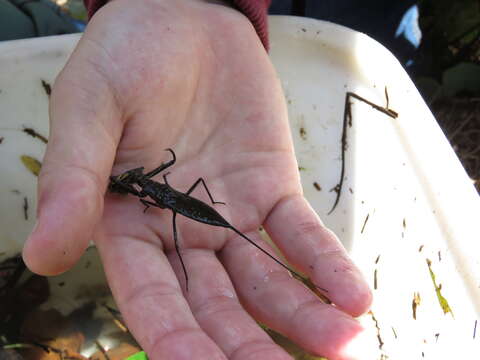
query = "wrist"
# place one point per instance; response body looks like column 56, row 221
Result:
column 254, row 10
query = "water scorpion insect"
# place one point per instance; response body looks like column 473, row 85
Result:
column 166, row 197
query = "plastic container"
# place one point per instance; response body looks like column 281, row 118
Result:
column 407, row 209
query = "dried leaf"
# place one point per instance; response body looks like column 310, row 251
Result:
column 441, row 299
column 31, row 164
column 415, row 302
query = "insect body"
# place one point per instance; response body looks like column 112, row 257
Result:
column 166, row 197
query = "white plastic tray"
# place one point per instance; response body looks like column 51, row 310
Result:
column 405, row 199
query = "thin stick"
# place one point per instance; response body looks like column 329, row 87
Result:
column 347, row 121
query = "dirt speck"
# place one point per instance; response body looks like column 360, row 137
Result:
column 303, row 133
column 46, row 87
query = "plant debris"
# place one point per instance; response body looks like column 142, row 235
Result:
column 102, row 350
column 347, row 122
column 336, row 188
column 47, row 88
column 117, row 318
column 303, row 133
column 438, row 290
column 314, row 288
column 364, row 223
column 379, row 337
column 35, row 134
column 31, row 164
column 30, row 331
column 25, row 208
column 415, row 303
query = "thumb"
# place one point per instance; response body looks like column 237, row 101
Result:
column 85, row 129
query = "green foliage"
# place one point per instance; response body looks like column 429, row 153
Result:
column 451, row 19
column 77, row 10
column 461, row 78
column 450, row 50
column 138, row 356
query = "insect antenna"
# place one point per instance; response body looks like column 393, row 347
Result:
column 274, row 258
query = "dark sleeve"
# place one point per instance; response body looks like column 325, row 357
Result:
column 255, row 10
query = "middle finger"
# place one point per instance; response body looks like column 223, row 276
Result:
column 215, row 305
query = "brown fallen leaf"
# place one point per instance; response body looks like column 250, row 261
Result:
column 415, row 303
column 52, row 329
column 39, row 353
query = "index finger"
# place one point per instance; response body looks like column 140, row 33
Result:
column 84, row 132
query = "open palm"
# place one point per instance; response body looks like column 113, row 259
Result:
column 194, row 77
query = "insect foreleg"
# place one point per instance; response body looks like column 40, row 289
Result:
column 163, row 166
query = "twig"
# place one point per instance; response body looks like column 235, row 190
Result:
column 347, row 121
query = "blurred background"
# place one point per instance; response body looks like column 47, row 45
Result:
column 437, row 41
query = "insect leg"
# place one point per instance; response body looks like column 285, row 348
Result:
column 165, row 178
column 163, row 166
column 118, row 186
column 177, row 249
column 200, row 180
column 148, row 204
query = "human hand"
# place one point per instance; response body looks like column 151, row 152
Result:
column 192, row 76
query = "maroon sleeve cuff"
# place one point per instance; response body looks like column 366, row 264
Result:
column 255, row 10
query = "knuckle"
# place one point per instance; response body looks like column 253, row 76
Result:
column 156, row 291
column 215, row 305
column 258, row 349
column 308, row 228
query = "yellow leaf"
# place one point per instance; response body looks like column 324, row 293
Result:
column 438, row 288
column 31, row 164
